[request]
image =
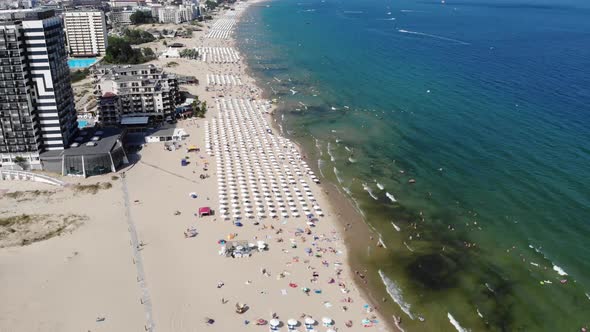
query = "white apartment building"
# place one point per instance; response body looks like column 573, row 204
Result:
column 178, row 14
column 126, row 3
column 86, row 32
column 134, row 91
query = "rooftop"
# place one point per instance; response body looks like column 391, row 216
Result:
column 109, row 140
column 26, row 14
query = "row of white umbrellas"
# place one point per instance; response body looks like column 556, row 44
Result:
column 257, row 171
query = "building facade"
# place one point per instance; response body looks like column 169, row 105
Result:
column 120, row 17
column 134, row 91
column 178, row 14
column 36, row 99
column 126, row 3
column 86, row 32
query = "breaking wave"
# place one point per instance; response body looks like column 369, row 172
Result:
column 396, row 294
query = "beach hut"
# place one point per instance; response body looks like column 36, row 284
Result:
column 204, row 211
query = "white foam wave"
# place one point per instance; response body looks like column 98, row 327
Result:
column 556, row 268
column 559, row 270
column 329, row 148
column 352, row 160
column 380, row 186
column 396, row 294
column 395, row 226
column 320, row 164
column 347, row 190
column 337, row 173
column 479, row 313
column 391, row 198
column 407, row 246
column 348, row 149
column 455, row 323
column 433, row 36
column 319, row 147
column 368, row 189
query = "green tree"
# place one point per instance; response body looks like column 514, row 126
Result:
column 203, row 109
column 120, row 51
column 21, row 161
column 148, row 54
column 136, row 36
column 141, row 17
column 211, row 4
column 189, row 53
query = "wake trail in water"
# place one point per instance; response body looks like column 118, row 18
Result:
column 433, row 36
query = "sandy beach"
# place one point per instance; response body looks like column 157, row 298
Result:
column 129, row 265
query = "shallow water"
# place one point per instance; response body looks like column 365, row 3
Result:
column 484, row 105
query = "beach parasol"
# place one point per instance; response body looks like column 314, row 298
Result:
column 292, row 322
column 274, row 322
column 327, row 321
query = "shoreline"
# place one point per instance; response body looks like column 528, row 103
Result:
column 338, row 201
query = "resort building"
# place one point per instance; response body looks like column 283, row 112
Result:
column 178, row 14
column 120, row 17
column 134, row 91
column 125, row 3
column 36, row 99
column 86, row 32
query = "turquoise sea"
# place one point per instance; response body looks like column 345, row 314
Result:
column 484, row 106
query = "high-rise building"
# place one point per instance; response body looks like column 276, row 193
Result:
column 36, row 99
column 86, row 32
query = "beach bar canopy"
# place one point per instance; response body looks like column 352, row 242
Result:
column 204, row 211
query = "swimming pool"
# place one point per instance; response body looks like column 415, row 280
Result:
column 81, row 63
column 82, row 124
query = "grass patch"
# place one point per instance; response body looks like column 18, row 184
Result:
column 92, row 188
column 78, row 75
column 24, row 229
column 28, row 195
column 20, row 219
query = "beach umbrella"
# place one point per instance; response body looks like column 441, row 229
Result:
column 292, row 322
column 274, row 322
column 327, row 321
column 309, row 321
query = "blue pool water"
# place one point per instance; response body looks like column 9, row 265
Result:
column 82, row 124
column 81, row 63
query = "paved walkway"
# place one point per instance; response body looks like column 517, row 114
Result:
column 145, row 295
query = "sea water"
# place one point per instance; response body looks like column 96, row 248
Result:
column 473, row 115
